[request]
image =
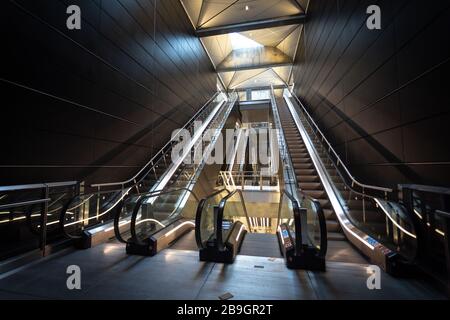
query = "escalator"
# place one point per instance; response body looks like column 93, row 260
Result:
column 223, row 230
column 261, row 245
column 218, row 236
column 148, row 222
column 369, row 217
column 307, row 177
column 153, row 208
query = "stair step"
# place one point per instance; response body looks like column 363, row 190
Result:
column 329, row 214
column 336, row 236
column 310, row 186
column 324, row 203
column 333, row 226
column 299, row 149
column 305, row 172
column 316, row 194
column 301, row 166
column 299, row 155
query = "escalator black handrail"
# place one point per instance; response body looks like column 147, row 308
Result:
column 219, row 222
column 160, row 153
column 116, row 221
column 198, row 216
column 142, row 198
column 323, row 229
column 298, row 225
column 297, row 217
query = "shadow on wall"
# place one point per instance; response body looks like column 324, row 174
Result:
column 378, row 95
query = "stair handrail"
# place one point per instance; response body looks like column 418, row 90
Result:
column 221, row 210
column 198, row 215
column 159, row 153
column 331, row 149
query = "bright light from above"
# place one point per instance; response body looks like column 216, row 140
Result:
column 238, row 41
column 247, row 8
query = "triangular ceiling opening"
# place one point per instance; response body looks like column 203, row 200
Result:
column 249, row 58
column 240, row 41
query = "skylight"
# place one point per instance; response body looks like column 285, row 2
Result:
column 238, row 41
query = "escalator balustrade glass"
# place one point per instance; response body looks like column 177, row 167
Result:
column 206, row 219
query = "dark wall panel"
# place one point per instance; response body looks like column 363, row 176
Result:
column 95, row 104
column 381, row 96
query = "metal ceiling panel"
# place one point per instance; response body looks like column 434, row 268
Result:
column 245, row 10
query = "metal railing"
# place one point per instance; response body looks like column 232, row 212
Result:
column 431, row 214
column 35, row 205
column 249, row 180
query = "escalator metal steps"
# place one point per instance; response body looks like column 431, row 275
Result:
column 260, row 245
column 307, row 177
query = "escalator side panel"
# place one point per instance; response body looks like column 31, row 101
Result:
column 231, row 246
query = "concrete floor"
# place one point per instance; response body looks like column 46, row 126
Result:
column 107, row 272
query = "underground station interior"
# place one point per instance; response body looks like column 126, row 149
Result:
column 225, row 150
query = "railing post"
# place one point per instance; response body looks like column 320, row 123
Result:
column 446, row 230
column 44, row 212
column 97, row 209
column 260, row 181
column 364, row 205
column 280, row 206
